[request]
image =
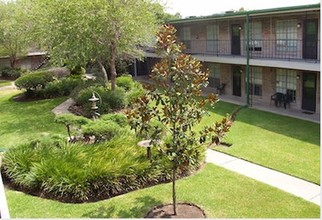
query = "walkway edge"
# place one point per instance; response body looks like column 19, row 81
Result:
column 298, row 187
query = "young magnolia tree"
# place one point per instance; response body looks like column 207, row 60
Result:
column 179, row 80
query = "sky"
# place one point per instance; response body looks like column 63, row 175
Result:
column 208, row 7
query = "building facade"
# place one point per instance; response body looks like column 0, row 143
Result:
column 252, row 55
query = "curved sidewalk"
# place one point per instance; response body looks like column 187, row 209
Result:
column 298, row 187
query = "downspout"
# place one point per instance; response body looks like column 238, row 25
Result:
column 247, row 60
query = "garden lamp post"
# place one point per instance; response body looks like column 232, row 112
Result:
column 94, row 107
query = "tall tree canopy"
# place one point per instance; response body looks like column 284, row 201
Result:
column 78, row 31
column 14, row 29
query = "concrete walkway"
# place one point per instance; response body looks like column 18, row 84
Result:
column 63, row 108
column 290, row 184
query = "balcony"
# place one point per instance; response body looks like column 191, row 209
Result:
column 281, row 49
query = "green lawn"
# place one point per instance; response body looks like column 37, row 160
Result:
column 5, row 83
column 282, row 143
column 21, row 121
column 221, row 193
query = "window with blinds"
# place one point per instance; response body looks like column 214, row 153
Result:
column 212, row 37
column 256, row 81
column 286, row 83
column 286, row 36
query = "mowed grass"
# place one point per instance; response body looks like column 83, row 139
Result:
column 282, row 143
column 23, row 121
column 221, row 193
column 5, row 83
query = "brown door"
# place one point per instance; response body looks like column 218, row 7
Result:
column 235, row 39
column 310, row 39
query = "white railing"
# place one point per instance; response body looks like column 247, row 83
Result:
column 4, row 211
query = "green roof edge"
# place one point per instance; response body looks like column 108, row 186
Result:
column 244, row 13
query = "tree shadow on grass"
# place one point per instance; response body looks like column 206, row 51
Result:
column 141, row 206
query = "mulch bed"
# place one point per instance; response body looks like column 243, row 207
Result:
column 184, row 210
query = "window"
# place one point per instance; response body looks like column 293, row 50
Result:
column 255, row 81
column 185, row 37
column 286, row 83
column 286, row 36
column 255, row 43
column 212, row 38
column 214, row 75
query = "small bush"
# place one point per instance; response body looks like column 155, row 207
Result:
column 78, row 71
column 71, row 122
column 62, row 87
column 125, row 81
column 136, row 92
column 34, row 81
column 59, row 72
column 115, row 99
column 109, row 100
column 10, row 73
column 102, row 130
column 119, row 118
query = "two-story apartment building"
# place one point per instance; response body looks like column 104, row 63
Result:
column 256, row 54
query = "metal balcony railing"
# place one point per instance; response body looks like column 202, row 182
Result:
column 286, row 49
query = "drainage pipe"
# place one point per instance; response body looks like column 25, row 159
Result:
column 247, row 60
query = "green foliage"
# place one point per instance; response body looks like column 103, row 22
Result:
column 78, row 172
column 61, row 87
column 136, row 92
column 109, row 100
column 14, row 30
column 118, row 118
column 125, row 81
column 177, row 105
column 71, row 121
column 116, row 99
column 102, row 130
column 105, row 35
column 34, row 81
column 78, row 71
column 11, row 73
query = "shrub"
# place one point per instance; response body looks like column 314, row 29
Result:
column 11, row 73
column 136, row 92
column 125, row 81
column 109, row 100
column 79, row 173
column 119, row 118
column 116, row 99
column 59, row 72
column 62, row 87
column 102, row 130
column 34, row 81
column 71, row 121
column 78, row 71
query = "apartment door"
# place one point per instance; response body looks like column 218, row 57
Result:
column 310, row 39
column 235, row 39
column 309, row 91
column 236, row 81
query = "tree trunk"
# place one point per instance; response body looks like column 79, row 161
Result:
column 13, row 61
column 174, row 195
column 113, row 66
column 104, row 73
